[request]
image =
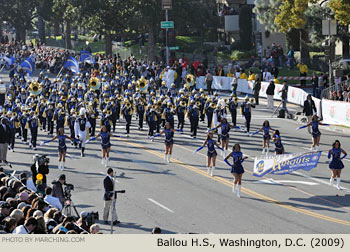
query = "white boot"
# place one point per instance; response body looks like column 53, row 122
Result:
column 103, row 161
column 239, row 191
column 59, row 165
column 338, row 182
column 165, row 157
column 331, row 181
column 209, row 168
column 267, row 151
column 169, row 158
column 63, row 165
column 106, row 164
column 263, row 151
column 311, row 148
column 234, row 188
column 212, row 171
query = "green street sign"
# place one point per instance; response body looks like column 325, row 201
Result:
column 173, row 48
column 167, row 24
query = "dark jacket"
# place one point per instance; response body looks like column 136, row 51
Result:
column 43, row 169
column 309, row 108
column 270, row 89
column 109, row 188
column 57, row 191
column 4, row 133
column 284, row 92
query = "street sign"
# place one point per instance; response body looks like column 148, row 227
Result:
column 167, row 24
column 167, row 4
column 329, row 27
column 173, row 48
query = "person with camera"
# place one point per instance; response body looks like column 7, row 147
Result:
column 57, row 188
column 109, row 197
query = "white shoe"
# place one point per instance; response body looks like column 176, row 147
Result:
column 208, row 170
column 103, row 161
column 168, row 158
column 311, row 148
column 106, row 164
column 239, row 191
column 12, row 150
column 62, row 167
column 212, row 171
column 30, row 146
column 331, row 181
column 234, row 188
column 263, row 151
column 338, row 182
column 34, row 148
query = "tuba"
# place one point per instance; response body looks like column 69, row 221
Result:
column 190, row 80
column 142, row 85
column 94, row 83
column 34, row 88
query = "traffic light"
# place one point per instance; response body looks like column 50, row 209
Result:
column 171, row 38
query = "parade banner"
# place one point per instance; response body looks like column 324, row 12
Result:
column 336, row 112
column 286, row 163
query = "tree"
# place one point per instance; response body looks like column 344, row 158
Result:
column 245, row 27
column 69, row 11
column 341, row 9
column 107, row 17
column 19, row 14
column 292, row 15
column 266, row 12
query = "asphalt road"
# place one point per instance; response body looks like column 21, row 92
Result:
column 180, row 197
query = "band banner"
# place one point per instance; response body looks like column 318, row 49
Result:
column 286, row 163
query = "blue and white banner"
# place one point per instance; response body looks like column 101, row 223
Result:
column 286, row 163
column 72, row 64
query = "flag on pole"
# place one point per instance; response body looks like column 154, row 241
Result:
column 9, row 60
column 72, row 64
column 87, row 57
column 28, row 65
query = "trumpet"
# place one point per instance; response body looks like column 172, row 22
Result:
column 34, row 88
column 142, row 85
column 190, row 80
column 94, row 83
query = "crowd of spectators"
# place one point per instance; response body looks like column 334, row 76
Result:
column 23, row 211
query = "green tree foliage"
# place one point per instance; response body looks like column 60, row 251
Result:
column 108, row 17
column 266, row 12
column 19, row 14
column 341, row 9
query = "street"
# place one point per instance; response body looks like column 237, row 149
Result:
column 181, row 197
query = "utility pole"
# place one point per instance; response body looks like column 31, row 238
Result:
column 166, row 5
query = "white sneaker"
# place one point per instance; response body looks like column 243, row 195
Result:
column 331, row 181
column 212, row 171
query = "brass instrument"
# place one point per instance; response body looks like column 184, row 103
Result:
column 198, row 103
column 142, row 85
column 212, row 105
column 94, row 83
column 183, row 104
column 190, row 80
column 252, row 100
column 236, row 99
column 35, row 89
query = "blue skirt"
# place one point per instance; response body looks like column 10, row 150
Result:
column 62, row 149
column 169, row 142
column 316, row 134
column 266, row 137
column 211, row 154
column 106, row 146
column 336, row 164
column 237, row 168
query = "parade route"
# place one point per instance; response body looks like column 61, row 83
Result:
column 181, row 197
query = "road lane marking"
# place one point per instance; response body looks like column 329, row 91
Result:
column 160, row 205
column 319, row 180
column 279, row 182
column 244, row 189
